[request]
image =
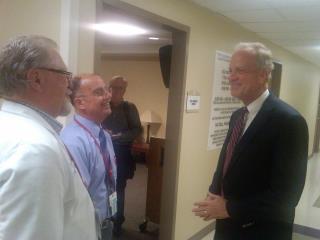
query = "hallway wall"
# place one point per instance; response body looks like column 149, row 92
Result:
column 300, row 88
column 32, row 18
column 210, row 32
column 145, row 86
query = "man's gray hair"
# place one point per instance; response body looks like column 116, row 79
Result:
column 117, row 78
column 18, row 56
column 262, row 53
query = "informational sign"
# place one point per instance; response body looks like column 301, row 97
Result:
column 222, row 103
column 193, row 102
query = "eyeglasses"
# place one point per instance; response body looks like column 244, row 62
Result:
column 117, row 88
column 66, row 73
column 98, row 92
column 241, row 71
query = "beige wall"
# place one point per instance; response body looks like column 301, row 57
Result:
column 300, row 88
column 208, row 33
column 67, row 26
column 45, row 17
column 32, row 17
column 85, row 48
column 145, row 87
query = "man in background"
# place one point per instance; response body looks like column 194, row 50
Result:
column 124, row 125
column 41, row 193
column 262, row 166
column 91, row 147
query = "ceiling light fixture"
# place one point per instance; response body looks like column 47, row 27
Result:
column 119, row 29
column 153, row 38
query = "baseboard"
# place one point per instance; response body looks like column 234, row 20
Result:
column 203, row 232
column 307, row 231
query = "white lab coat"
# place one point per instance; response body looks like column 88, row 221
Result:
column 42, row 196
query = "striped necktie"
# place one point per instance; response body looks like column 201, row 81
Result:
column 107, row 162
column 103, row 143
column 236, row 134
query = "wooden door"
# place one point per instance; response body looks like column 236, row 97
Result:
column 155, row 166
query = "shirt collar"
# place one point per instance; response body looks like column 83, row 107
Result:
column 50, row 120
column 93, row 127
column 255, row 106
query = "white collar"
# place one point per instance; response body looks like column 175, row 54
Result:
column 255, row 106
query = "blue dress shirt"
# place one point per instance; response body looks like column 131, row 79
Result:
column 89, row 160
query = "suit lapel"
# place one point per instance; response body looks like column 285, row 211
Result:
column 258, row 122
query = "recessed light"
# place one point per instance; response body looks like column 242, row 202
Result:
column 119, row 29
column 153, row 38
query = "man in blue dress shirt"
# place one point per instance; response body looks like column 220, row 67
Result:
column 91, row 146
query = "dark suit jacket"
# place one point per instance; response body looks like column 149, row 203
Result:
column 266, row 175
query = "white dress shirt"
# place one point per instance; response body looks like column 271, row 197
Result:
column 254, row 107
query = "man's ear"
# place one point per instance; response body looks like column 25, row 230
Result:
column 264, row 75
column 34, row 79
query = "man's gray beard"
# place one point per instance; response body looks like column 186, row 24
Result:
column 66, row 108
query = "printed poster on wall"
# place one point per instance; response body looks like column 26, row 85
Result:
column 222, row 103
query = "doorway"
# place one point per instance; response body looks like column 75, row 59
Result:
column 171, row 128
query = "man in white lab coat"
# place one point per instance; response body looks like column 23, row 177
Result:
column 41, row 193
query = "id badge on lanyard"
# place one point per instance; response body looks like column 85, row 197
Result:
column 113, row 196
column 113, row 203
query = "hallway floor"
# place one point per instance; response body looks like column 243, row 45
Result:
column 308, row 209
column 135, row 206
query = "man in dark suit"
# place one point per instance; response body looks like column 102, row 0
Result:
column 262, row 166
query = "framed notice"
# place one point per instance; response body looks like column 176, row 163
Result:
column 222, row 103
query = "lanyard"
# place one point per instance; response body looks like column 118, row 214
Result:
column 104, row 157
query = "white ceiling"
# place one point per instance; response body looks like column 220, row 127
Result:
column 292, row 24
column 132, row 44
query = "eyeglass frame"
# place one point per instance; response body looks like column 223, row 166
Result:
column 117, row 88
column 96, row 93
column 66, row 73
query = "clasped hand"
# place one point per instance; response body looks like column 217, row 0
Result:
column 213, row 207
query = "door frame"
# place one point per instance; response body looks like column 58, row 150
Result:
column 180, row 36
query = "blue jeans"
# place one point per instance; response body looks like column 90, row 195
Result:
column 121, row 187
column 125, row 170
